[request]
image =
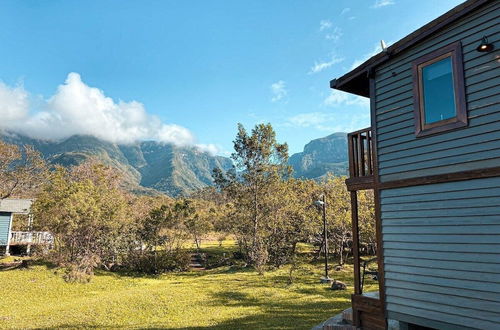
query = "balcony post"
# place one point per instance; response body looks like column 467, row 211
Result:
column 7, row 247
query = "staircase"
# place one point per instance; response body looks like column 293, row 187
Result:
column 196, row 262
column 342, row 321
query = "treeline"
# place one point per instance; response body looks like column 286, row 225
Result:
column 98, row 224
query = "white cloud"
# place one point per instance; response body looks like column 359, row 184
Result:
column 341, row 121
column 339, row 98
column 14, row 103
column 382, row 3
column 345, row 11
column 320, row 66
column 325, row 25
column 310, row 119
column 77, row 108
column 210, row 148
column 335, row 34
column 278, row 89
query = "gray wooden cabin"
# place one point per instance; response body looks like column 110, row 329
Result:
column 9, row 238
column 432, row 157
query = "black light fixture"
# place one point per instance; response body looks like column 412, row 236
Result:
column 484, row 46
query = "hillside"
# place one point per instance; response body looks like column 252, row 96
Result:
column 321, row 156
column 147, row 167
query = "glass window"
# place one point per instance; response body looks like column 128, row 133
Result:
column 438, row 91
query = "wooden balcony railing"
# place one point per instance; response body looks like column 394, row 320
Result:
column 31, row 238
column 360, row 159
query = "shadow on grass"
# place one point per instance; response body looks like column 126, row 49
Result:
column 27, row 264
column 274, row 315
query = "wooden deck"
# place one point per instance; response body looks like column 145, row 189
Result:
column 31, row 238
column 361, row 162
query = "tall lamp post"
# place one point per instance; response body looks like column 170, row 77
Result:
column 321, row 203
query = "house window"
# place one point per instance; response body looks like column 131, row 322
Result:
column 439, row 93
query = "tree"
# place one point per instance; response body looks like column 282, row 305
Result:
column 22, row 171
column 338, row 210
column 199, row 217
column 162, row 234
column 260, row 173
column 87, row 216
column 338, row 205
column 217, row 207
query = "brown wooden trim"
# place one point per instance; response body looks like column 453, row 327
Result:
column 355, row 254
column 360, row 183
column 355, row 241
column 351, row 156
column 369, row 151
column 360, row 163
column 366, row 304
column 369, row 313
column 454, row 51
column 442, row 178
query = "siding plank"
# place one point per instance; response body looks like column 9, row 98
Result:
column 4, row 227
column 477, row 304
column 460, row 292
column 453, row 310
column 470, row 266
column 456, row 274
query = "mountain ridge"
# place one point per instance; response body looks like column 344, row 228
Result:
column 321, row 156
column 148, row 167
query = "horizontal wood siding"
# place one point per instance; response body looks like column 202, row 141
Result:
column 400, row 154
column 4, row 227
column 442, row 253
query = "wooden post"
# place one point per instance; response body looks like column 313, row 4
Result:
column 355, row 241
column 355, row 254
column 30, row 230
column 325, row 233
column 7, row 247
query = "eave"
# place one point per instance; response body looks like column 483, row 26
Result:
column 357, row 80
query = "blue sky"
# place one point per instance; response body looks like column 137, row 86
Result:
column 188, row 71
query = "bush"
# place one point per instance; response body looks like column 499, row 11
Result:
column 82, row 270
column 158, row 262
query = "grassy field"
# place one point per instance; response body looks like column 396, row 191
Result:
column 222, row 298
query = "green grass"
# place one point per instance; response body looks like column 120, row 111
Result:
column 222, row 298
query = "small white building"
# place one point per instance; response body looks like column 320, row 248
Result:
column 9, row 207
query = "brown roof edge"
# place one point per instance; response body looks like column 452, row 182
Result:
column 356, row 81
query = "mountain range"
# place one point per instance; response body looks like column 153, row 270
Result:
column 322, row 156
column 147, row 167
column 151, row 167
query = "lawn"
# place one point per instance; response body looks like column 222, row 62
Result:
column 221, row 298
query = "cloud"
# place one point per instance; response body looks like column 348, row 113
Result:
column 341, row 121
column 338, row 98
column 320, row 66
column 310, row 119
column 335, row 34
column 14, row 103
column 210, row 148
column 278, row 89
column 345, row 11
column 382, row 3
column 77, row 108
column 325, row 25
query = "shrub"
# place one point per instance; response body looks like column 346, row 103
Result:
column 82, row 270
column 158, row 262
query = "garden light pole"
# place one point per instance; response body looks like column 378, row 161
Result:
column 321, row 203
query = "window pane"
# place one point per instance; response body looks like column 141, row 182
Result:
column 439, row 96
